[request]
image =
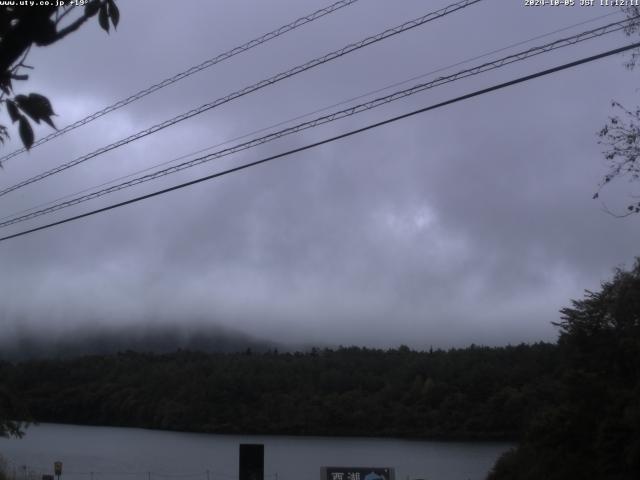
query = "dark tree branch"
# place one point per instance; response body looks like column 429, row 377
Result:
column 72, row 27
column 64, row 14
column 20, row 28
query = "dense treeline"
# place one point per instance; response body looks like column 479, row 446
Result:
column 476, row 392
column 592, row 428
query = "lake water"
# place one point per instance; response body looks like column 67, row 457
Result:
column 104, row 453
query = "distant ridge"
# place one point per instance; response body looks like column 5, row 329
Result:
column 102, row 340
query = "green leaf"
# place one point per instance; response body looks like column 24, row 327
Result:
column 42, row 104
column 37, row 107
column 44, row 32
column 12, row 109
column 49, row 122
column 24, row 104
column 91, row 8
column 114, row 13
column 103, row 18
column 26, row 132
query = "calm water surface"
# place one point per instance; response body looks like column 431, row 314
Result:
column 104, row 453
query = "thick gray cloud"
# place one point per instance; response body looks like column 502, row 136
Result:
column 472, row 223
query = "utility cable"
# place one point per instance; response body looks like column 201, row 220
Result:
column 187, row 73
column 299, row 117
column 516, row 57
column 252, row 88
column 350, row 133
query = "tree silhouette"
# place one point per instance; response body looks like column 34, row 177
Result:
column 592, row 428
column 22, row 27
column 621, row 134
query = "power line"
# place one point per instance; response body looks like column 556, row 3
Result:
column 485, row 67
column 187, row 73
column 332, row 139
column 298, row 117
column 257, row 86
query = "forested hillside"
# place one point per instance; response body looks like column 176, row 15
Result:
column 475, row 392
column 102, row 339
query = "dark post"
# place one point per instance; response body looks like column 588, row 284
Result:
column 57, row 469
column 251, row 461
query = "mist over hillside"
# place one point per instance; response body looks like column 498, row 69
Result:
column 33, row 344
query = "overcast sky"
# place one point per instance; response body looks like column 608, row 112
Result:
column 470, row 223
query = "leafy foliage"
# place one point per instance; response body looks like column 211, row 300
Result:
column 11, row 407
column 477, row 392
column 593, row 429
column 620, row 134
column 622, row 139
column 21, row 27
column 633, row 15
